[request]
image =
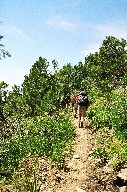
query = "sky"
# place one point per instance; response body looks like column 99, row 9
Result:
column 64, row 30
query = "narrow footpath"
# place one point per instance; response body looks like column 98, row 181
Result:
column 85, row 174
column 82, row 173
column 80, row 166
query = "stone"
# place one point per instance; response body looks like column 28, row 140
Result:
column 76, row 156
column 108, row 167
column 121, row 180
column 123, row 174
column 79, row 189
column 123, row 189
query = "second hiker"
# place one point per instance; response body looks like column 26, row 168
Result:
column 83, row 102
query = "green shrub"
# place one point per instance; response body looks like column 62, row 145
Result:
column 98, row 112
column 119, row 109
column 50, row 136
column 100, row 152
column 108, row 113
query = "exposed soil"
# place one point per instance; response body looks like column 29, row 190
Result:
column 81, row 172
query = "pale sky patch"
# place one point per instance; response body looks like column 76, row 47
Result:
column 61, row 22
column 15, row 32
column 20, row 33
column 72, row 4
column 39, row 28
column 12, row 79
column 118, row 30
column 92, row 49
column 21, row 72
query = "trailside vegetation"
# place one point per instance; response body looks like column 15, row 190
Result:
column 33, row 123
column 107, row 85
column 3, row 52
column 31, row 120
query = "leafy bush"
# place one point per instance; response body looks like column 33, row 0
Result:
column 119, row 109
column 100, row 152
column 108, row 113
column 117, row 151
column 42, row 136
column 99, row 112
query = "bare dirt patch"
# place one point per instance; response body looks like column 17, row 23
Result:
column 81, row 172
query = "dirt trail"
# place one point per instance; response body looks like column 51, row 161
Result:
column 81, row 173
column 81, row 165
column 85, row 174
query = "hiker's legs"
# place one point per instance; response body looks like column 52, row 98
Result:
column 79, row 115
column 67, row 105
column 83, row 114
column 75, row 109
column 82, row 117
column 72, row 105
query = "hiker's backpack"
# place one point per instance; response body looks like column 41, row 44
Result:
column 83, row 100
column 73, row 100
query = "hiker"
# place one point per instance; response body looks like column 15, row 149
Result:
column 63, row 102
column 74, row 104
column 83, row 102
column 67, row 100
